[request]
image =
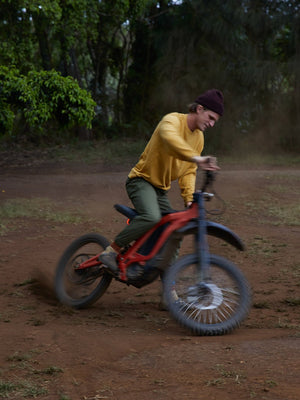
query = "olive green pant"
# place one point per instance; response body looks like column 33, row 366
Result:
column 149, row 202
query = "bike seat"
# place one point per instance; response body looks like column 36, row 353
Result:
column 127, row 211
column 131, row 212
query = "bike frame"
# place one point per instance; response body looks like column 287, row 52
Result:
column 206, row 301
column 175, row 221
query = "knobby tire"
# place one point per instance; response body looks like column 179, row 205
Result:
column 214, row 307
column 80, row 289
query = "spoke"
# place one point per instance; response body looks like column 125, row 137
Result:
column 228, row 312
column 231, row 299
column 199, row 313
column 229, row 307
column 230, row 290
column 222, row 314
column 208, row 303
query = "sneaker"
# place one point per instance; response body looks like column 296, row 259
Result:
column 163, row 305
column 109, row 259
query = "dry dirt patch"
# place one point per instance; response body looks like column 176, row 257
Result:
column 124, row 347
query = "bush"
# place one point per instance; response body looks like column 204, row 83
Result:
column 40, row 98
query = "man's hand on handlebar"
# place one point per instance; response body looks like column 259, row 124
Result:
column 207, row 163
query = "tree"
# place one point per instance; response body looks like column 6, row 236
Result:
column 231, row 45
column 142, row 58
column 40, row 97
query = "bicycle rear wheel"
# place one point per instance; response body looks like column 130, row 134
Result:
column 215, row 306
column 77, row 287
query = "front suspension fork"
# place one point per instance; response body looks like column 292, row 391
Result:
column 202, row 248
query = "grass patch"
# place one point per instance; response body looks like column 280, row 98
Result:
column 118, row 150
column 21, row 389
column 52, row 370
column 292, row 302
column 33, row 382
column 231, row 374
column 271, row 210
column 286, row 324
column 286, row 215
column 37, row 208
column 264, row 247
column 289, row 185
column 226, row 375
column 122, row 149
column 20, row 357
column 215, row 382
column 7, row 387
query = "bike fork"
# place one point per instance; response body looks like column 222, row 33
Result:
column 202, row 247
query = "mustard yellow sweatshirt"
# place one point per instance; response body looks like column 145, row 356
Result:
column 167, row 155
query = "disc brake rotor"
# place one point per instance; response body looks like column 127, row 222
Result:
column 206, row 296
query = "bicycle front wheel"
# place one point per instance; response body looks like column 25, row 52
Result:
column 214, row 306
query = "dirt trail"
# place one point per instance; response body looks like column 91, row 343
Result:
column 124, row 347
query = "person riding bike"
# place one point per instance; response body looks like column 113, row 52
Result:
column 172, row 153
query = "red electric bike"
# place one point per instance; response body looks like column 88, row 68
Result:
column 204, row 292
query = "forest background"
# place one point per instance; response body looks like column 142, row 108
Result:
column 109, row 70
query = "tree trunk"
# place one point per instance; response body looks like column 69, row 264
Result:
column 40, row 26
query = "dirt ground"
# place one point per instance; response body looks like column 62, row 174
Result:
column 124, row 347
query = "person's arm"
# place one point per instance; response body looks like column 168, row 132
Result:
column 174, row 143
column 187, row 185
column 207, row 163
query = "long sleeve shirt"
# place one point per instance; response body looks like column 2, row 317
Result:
column 167, row 156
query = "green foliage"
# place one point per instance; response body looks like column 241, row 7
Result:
column 248, row 50
column 43, row 96
column 51, row 8
column 142, row 58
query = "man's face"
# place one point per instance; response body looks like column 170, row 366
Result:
column 205, row 118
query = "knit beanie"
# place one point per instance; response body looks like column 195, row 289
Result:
column 213, row 100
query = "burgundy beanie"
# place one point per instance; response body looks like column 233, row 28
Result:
column 213, row 100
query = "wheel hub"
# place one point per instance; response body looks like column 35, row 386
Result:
column 206, row 296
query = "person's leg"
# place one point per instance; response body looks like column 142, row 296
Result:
column 163, row 200
column 146, row 202
column 144, row 198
